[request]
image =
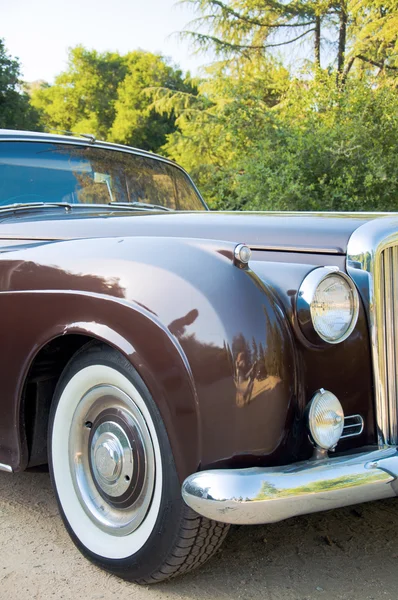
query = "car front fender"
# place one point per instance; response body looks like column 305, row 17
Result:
column 209, row 339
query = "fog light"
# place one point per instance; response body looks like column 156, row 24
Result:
column 325, row 419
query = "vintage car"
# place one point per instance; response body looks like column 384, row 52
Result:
column 181, row 370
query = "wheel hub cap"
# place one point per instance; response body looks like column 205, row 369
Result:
column 112, row 460
column 108, row 459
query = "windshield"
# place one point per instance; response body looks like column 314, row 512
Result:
column 33, row 172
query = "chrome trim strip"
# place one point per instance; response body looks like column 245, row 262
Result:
column 390, row 312
column 307, row 249
column 54, row 138
column 5, row 468
column 360, row 423
column 366, row 267
column 12, row 236
column 267, row 495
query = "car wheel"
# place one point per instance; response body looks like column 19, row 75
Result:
column 114, row 475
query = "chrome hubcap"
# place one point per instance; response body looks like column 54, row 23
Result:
column 112, row 460
column 107, row 459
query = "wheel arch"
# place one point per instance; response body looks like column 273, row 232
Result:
column 170, row 383
column 39, row 385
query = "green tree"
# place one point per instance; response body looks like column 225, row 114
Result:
column 363, row 33
column 15, row 110
column 136, row 122
column 106, row 94
column 217, row 127
column 326, row 148
column 251, row 27
column 258, row 140
column 83, row 97
column 374, row 36
column 257, row 137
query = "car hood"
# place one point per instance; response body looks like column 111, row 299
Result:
column 311, row 232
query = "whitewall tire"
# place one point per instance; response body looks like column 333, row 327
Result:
column 114, row 475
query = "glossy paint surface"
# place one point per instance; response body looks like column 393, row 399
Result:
column 218, row 346
column 345, row 369
column 311, row 232
column 197, row 340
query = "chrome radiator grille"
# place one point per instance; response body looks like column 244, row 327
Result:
column 388, row 336
column 372, row 262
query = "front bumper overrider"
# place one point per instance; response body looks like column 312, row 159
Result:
column 266, row 495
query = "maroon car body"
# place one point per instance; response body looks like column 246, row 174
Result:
column 102, row 276
column 219, row 347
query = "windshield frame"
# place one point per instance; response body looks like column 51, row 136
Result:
column 11, row 136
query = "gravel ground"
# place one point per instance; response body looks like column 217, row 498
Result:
column 349, row 554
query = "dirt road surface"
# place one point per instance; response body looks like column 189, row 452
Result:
column 347, row 554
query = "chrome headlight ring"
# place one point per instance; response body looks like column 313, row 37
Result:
column 310, row 307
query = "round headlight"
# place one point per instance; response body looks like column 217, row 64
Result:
column 327, row 305
column 325, row 419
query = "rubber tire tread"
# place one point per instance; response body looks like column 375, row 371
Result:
column 200, row 538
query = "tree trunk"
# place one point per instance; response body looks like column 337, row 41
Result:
column 318, row 42
column 342, row 38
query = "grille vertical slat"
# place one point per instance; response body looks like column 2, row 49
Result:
column 383, row 408
column 390, row 306
column 389, row 328
column 395, row 331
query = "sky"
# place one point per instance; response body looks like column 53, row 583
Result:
column 39, row 32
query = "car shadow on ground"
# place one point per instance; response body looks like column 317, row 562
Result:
column 350, row 553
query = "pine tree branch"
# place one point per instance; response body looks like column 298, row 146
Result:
column 380, row 65
column 294, row 9
column 260, row 24
column 279, row 7
column 290, row 41
column 203, row 38
column 347, row 70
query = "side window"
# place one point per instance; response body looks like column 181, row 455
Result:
column 157, row 182
column 147, row 180
column 186, row 197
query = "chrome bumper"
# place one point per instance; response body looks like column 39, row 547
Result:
column 267, row 495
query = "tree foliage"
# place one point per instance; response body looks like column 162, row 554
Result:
column 345, row 32
column 15, row 109
column 105, row 94
column 374, row 34
column 135, row 120
column 255, row 132
column 82, row 98
column 256, row 139
column 259, row 137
